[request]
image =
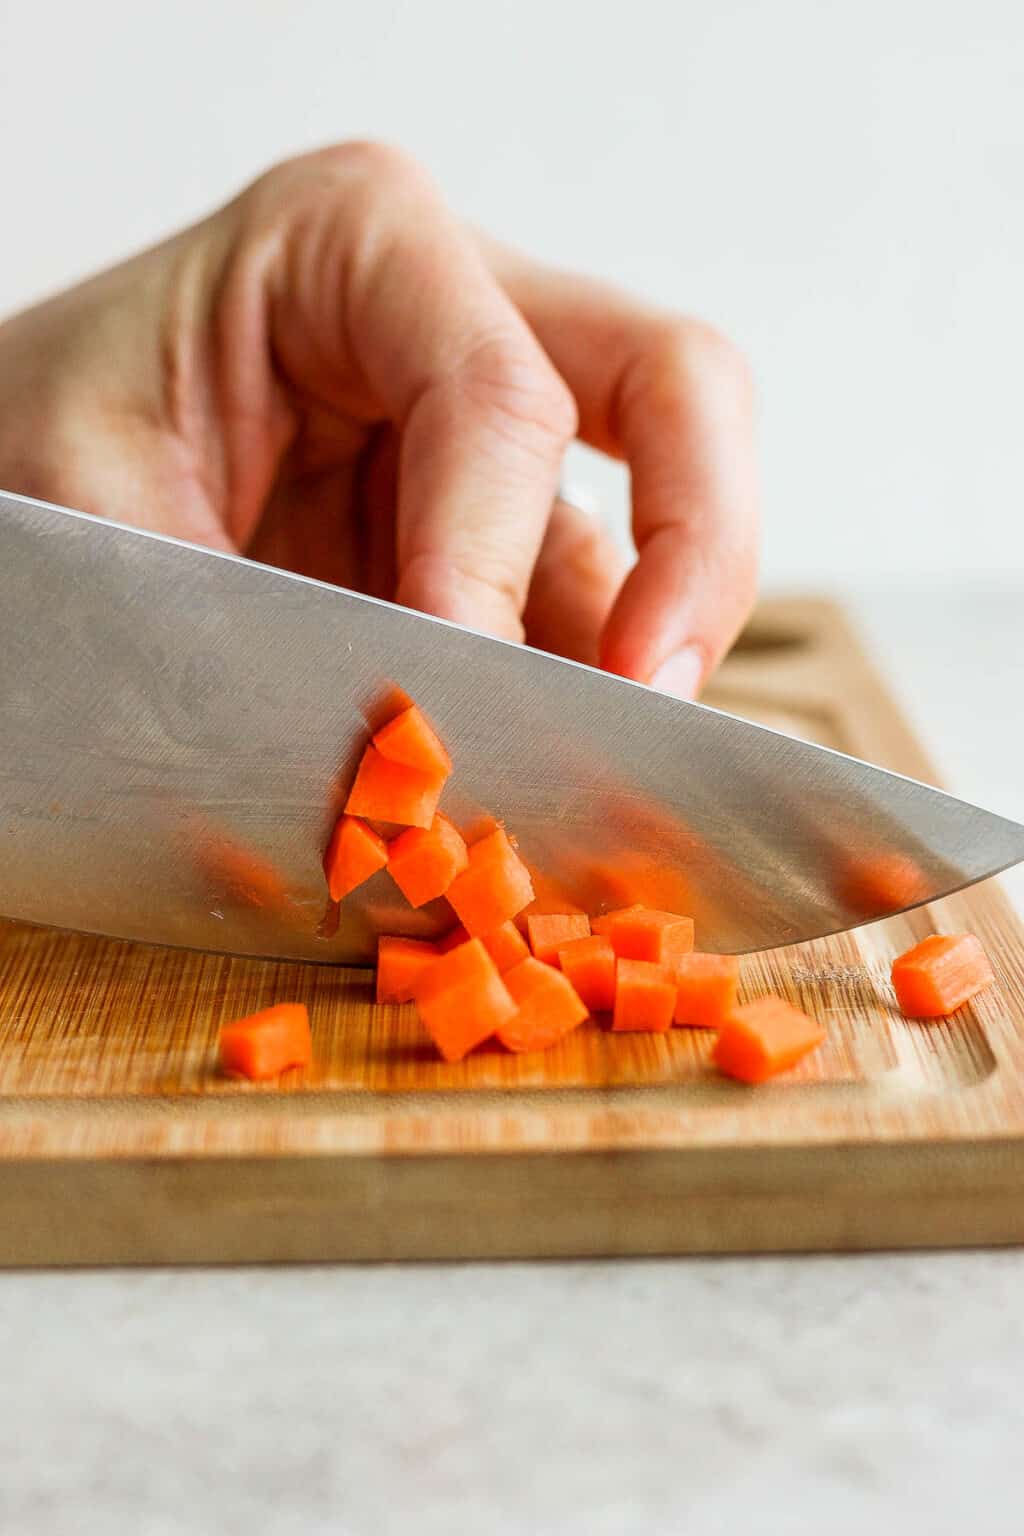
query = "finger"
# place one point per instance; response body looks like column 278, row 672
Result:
column 384, row 305
column 575, row 582
column 673, row 398
column 687, row 424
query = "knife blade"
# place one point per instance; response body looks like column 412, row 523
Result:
column 178, row 728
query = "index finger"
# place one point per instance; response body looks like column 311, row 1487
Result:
column 389, row 311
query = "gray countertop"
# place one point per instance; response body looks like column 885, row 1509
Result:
column 823, row 1394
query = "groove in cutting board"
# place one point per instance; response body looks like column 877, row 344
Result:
column 114, row 1124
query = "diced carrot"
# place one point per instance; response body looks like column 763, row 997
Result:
column 937, row 976
column 606, row 920
column 548, row 1005
column 551, row 929
column 763, row 1038
column 462, row 999
column 399, row 963
column 388, row 791
column 707, row 986
column 452, row 939
column 354, row 853
column 265, row 1043
column 410, row 739
column 423, row 863
column 493, row 888
column 506, row 946
column 661, row 937
column 590, row 966
column 645, row 995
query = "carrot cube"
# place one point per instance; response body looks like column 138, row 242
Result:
column 707, row 986
column 410, row 739
column 590, row 965
column 462, row 999
column 265, row 1043
column 399, row 963
column 495, row 885
column 549, row 930
column 452, row 939
column 506, row 946
column 548, row 1007
column 937, row 976
column 423, row 863
column 645, row 996
column 388, row 791
column 354, row 853
column 763, row 1038
column 605, row 922
column 642, row 934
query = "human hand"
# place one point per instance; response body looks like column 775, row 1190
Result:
column 332, row 374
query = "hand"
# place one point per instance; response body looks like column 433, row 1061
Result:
column 332, row 374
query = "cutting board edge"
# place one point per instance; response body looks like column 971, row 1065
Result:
column 513, row 1206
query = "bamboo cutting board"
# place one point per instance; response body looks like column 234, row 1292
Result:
column 119, row 1142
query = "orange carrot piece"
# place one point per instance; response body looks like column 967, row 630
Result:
column 493, row 888
column 590, row 965
column 763, row 1038
column 604, row 923
column 423, row 863
column 388, row 791
column 354, row 853
column 548, row 1005
column 506, row 946
column 549, row 930
column 399, row 963
column 410, row 739
column 452, row 939
column 707, row 986
column 462, row 999
column 645, row 996
column 937, row 976
column 265, row 1043
column 661, row 937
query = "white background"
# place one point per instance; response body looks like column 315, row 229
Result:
column 840, row 186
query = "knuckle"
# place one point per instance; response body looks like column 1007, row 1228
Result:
column 366, row 162
column 515, row 383
column 378, row 160
column 480, row 575
column 688, row 348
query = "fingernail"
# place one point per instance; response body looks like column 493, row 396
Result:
column 680, row 673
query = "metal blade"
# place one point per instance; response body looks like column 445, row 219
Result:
column 178, row 728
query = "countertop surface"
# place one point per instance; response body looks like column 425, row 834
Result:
column 700, row 1396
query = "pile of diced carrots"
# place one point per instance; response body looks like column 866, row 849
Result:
column 529, row 979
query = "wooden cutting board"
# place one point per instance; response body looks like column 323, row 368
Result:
column 119, row 1142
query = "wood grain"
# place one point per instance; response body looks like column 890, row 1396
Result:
column 119, row 1142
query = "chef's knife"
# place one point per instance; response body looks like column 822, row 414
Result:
column 178, row 727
